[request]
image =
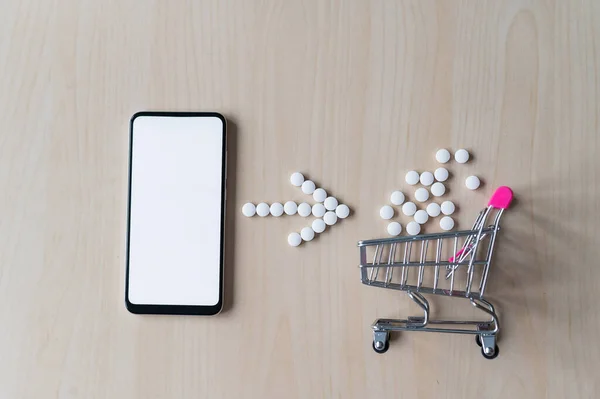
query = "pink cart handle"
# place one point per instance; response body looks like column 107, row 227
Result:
column 501, row 198
column 459, row 253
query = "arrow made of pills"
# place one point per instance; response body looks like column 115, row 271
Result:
column 326, row 209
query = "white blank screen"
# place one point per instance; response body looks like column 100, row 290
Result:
column 175, row 210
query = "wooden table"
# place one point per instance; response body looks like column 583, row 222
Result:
column 353, row 94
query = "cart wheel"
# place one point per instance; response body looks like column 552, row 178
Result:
column 384, row 346
column 492, row 355
column 478, row 340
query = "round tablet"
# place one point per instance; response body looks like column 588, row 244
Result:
column 413, row 228
column 394, row 229
column 412, row 177
column 409, row 208
column 447, row 223
column 249, row 210
column 442, row 155
column 397, row 198
column 461, row 156
column 441, row 174
column 330, row 218
column 308, row 187
column 342, row 211
column 426, row 178
column 472, row 182
column 262, row 209
column 386, row 212
column 448, row 207
column 304, row 209
column 318, row 210
column 318, row 225
column 421, row 217
column 438, row 189
column 294, row 239
column 297, row 179
column 307, row 233
column 290, row 208
column 433, row 210
column 421, row 194
column 320, row 195
column 331, row 203
column 276, row 209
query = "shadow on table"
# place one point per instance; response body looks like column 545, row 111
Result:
column 540, row 252
column 229, row 257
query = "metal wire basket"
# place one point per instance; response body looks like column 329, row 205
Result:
column 413, row 264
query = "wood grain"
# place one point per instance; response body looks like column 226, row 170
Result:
column 352, row 93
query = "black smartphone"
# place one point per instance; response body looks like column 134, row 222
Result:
column 176, row 215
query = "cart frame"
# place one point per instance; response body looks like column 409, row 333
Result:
column 471, row 249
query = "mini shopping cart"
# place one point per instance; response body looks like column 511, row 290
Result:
column 413, row 264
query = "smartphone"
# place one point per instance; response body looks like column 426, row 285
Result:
column 176, row 215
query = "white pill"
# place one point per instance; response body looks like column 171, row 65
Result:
column 421, row 217
column 426, row 178
column 421, row 194
column 438, row 189
column 409, row 208
column 307, row 233
column 441, row 174
column 386, row 212
column 472, row 182
column 448, row 207
column 308, row 187
column 394, row 229
column 330, row 218
column 320, row 195
column 249, row 210
column 262, row 209
column 318, row 210
column 318, row 225
column 461, row 156
column 342, row 211
column 412, row 177
column 276, row 209
column 442, row 156
column 447, row 223
column 294, row 239
column 297, row 179
column 397, row 198
column 304, row 209
column 413, row 228
column 331, row 203
column 290, row 208
column 433, row 210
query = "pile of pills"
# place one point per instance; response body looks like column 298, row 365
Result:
column 327, row 210
column 433, row 187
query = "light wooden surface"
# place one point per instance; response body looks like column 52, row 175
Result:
column 353, row 93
